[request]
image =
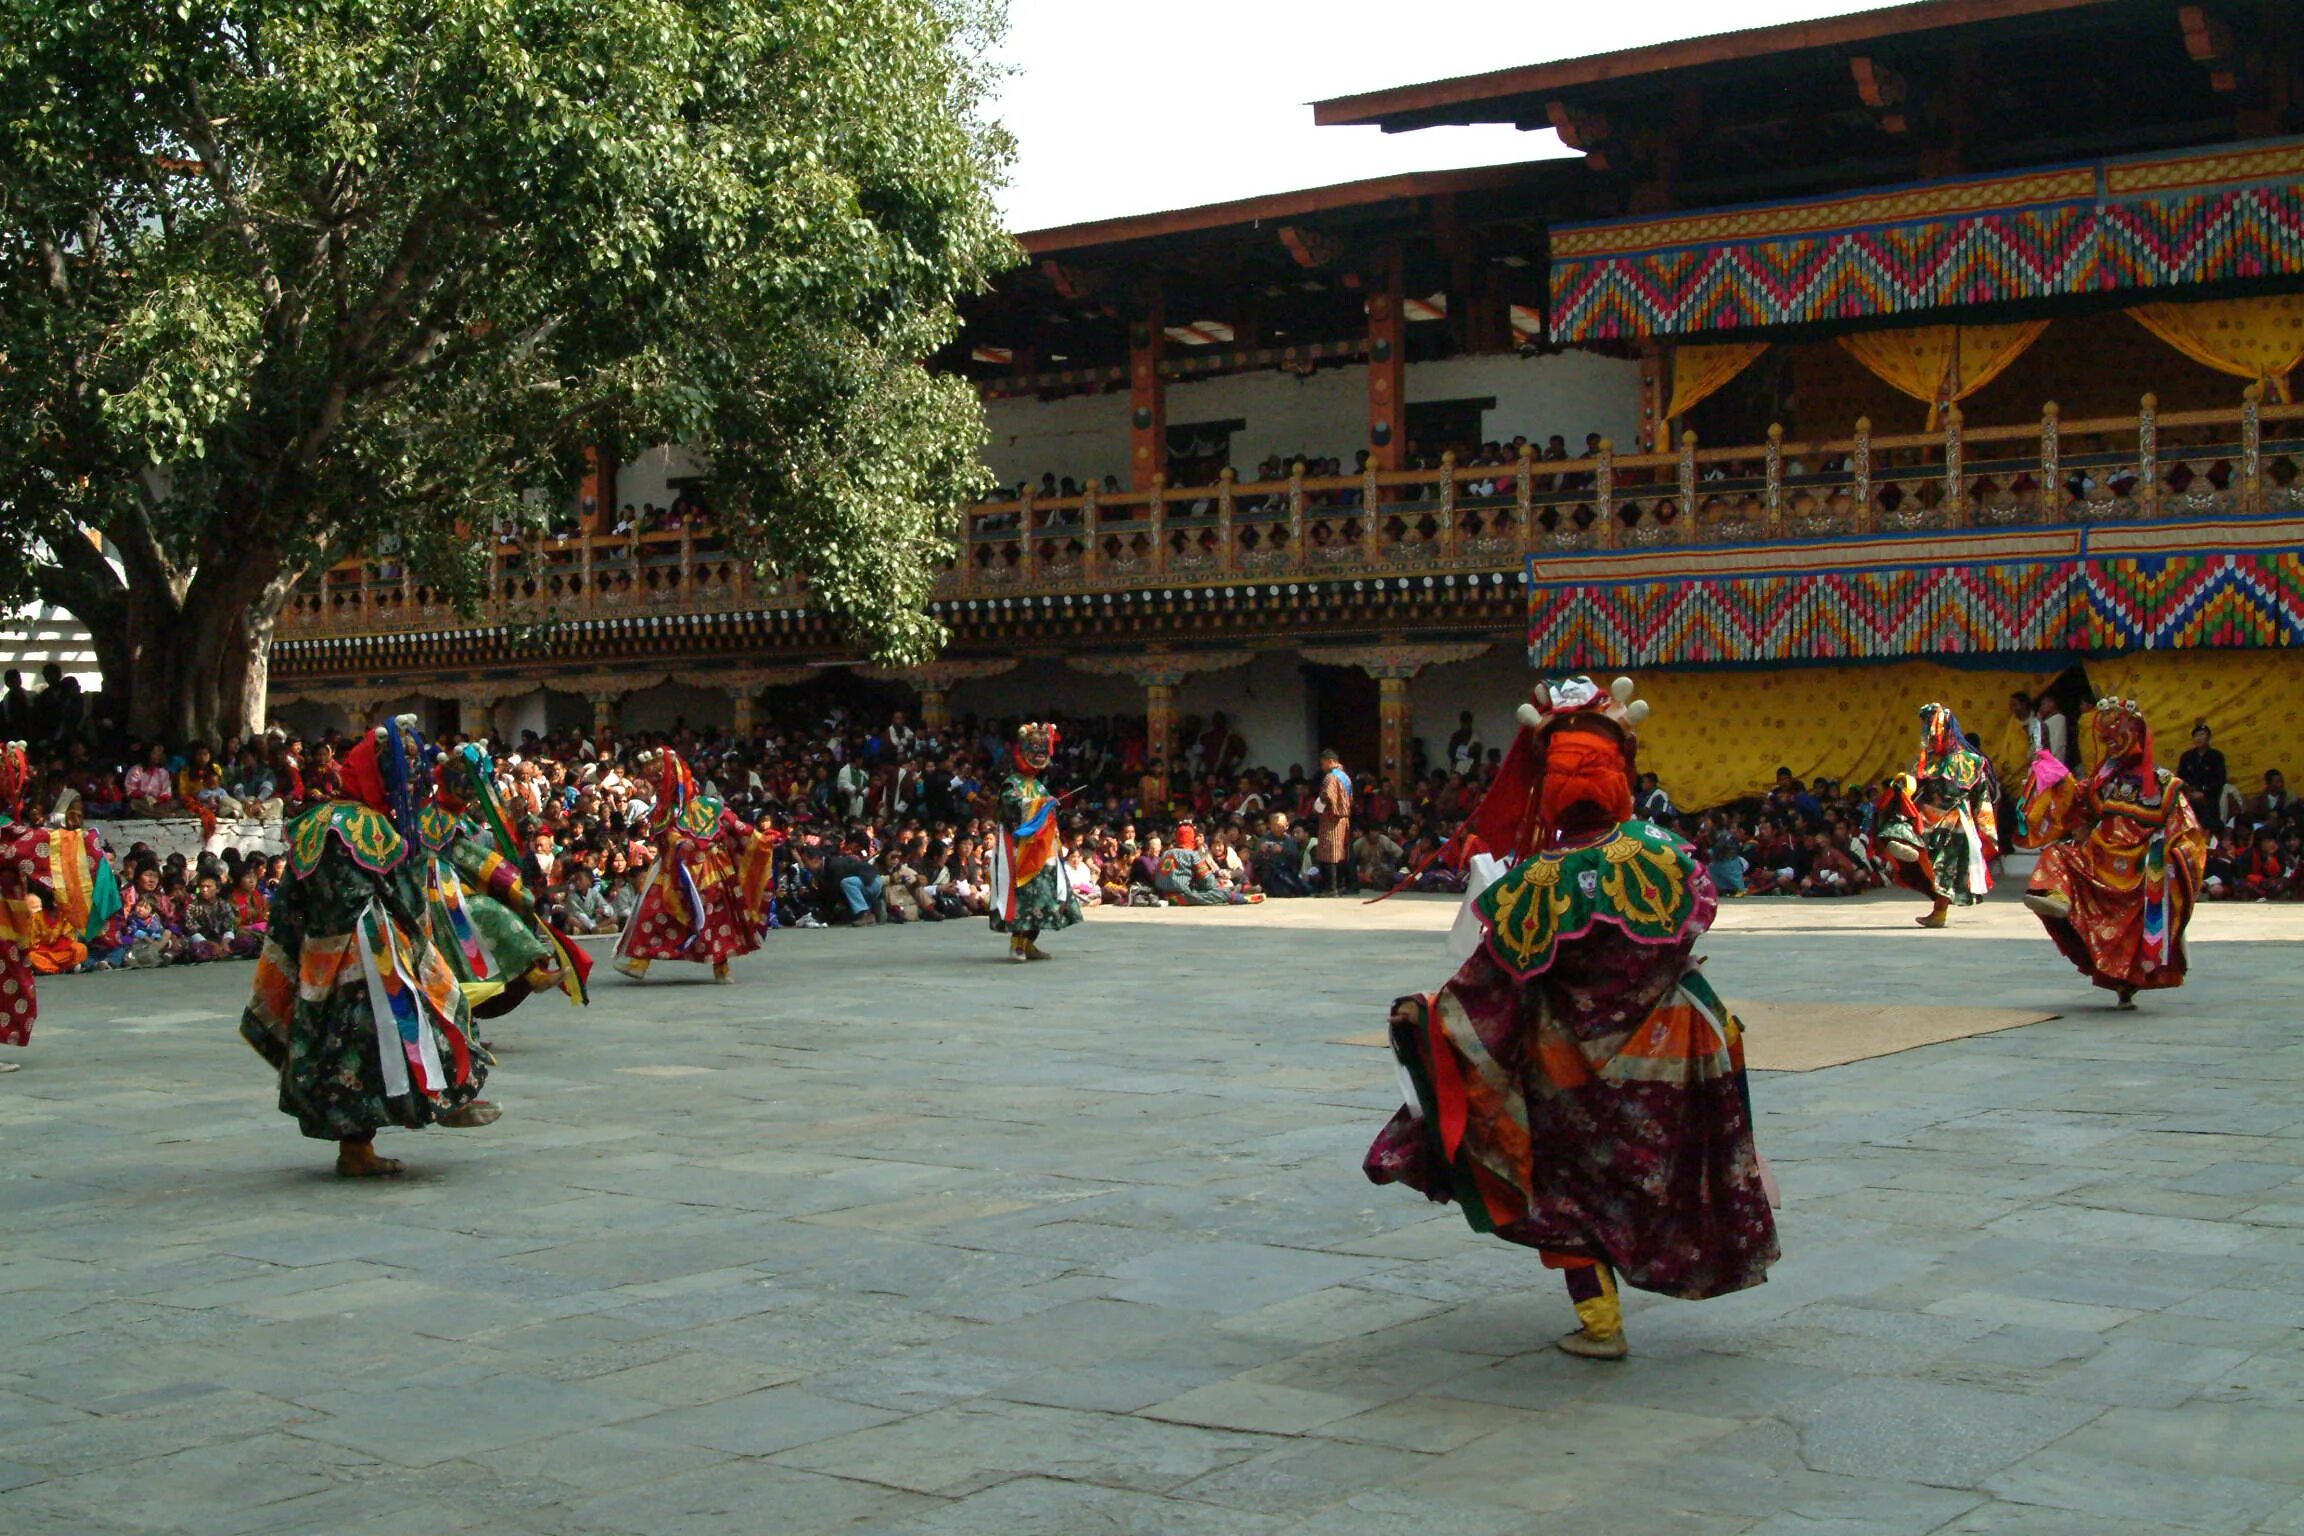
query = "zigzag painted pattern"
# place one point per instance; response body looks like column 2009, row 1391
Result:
column 2194, row 601
column 2207, row 601
column 1898, row 269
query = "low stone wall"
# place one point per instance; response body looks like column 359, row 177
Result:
column 182, row 835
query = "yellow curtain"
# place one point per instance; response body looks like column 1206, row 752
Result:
column 2253, row 702
column 1698, row 372
column 2258, row 339
column 1714, row 736
column 1941, row 364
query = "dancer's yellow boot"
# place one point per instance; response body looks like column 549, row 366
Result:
column 1602, row 1314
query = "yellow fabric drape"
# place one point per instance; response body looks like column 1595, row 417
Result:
column 1698, row 372
column 1942, row 364
column 2253, row 702
column 2259, row 339
column 1715, row 736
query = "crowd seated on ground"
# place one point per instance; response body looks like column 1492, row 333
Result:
column 886, row 823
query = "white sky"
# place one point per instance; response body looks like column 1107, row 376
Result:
column 1121, row 109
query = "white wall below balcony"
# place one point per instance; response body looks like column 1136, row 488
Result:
column 1493, row 687
column 1086, row 436
column 648, row 478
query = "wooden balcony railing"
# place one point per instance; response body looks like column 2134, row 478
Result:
column 1452, row 518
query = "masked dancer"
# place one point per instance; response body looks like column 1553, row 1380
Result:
column 1578, row 1087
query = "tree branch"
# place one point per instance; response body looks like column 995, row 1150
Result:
column 199, row 129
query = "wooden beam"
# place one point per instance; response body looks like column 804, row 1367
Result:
column 1883, row 90
column 1310, row 247
column 2208, row 41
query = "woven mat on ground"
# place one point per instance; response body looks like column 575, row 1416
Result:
column 1803, row 1037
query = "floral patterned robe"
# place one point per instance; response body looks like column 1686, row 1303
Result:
column 353, row 1006
column 1577, row 1086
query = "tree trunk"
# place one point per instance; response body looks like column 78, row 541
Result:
column 191, row 671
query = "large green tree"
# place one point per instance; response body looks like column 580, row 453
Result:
column 283, row 280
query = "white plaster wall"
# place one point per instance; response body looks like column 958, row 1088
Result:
column 660, row 707
column 1042, row 686
column 1325, row 415
column 648, row 478
column 1268, row 702
column 1493, row 687
column 1080, row 435
column 528, row 712
column 1571, row 393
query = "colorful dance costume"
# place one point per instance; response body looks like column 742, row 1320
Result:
column 707, row 894
column 2121, row 858
column 480, row 904
column 354, row 1007
column 1030, row 892
column 1938, row 826
column 1578, row 1087
column 24, row 877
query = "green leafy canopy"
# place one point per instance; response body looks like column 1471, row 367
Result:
column 286, row 278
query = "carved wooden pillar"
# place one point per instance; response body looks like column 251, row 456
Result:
column 2051, row 464
column 935, row 710
column 2148, row 457
column 1604, row 494
column 935, row 680
column 1147, row 397
column 1772, row 497
column 1687, row 530
column 1394, row 664
column 2252, row 448
column 1226, row 556
column 476, row 712
column 1160, row 729
column 607, row 711
column 1388, row 365
column 1396, row 722
column 1161, row 673
column 1655, row 431
column 1955, row 471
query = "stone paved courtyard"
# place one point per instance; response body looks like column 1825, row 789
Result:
column 893, row 1237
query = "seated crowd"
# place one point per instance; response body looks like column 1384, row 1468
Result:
column 886, row 823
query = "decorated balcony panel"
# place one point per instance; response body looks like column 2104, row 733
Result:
column 1617, row 549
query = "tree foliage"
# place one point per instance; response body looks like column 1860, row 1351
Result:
column 285, row 279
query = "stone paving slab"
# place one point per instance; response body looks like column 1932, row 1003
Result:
column 894, row 1237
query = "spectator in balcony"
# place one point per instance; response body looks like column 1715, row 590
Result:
column 151, row 790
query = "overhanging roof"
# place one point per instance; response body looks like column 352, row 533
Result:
column 1375, row 192
column 1501, row 95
